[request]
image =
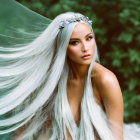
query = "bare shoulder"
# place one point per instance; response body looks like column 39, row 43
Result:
column 109, row 91
column 105, row 81
column 102, row 75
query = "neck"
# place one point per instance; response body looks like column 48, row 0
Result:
column 79, row 72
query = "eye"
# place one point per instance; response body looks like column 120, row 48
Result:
column 74, row 42
column 90, row 37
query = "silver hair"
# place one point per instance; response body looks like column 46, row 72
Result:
column 37, row 79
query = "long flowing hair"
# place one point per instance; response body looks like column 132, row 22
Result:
column 36, row 77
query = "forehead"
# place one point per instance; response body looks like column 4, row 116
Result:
column 81, row 29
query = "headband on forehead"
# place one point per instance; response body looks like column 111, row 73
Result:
column 75, row 18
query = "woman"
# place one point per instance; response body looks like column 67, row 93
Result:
column 63, row 57
column 58, row 89
column 106, row 89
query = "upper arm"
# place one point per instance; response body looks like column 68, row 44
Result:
column 111, row 96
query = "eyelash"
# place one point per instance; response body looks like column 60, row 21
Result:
column 73, row 42
column 90, row 37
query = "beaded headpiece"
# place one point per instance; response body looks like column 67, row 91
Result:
column 74, row 19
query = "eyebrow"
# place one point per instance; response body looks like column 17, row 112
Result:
column 78, row 38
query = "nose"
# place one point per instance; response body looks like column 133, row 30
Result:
column 84, row 47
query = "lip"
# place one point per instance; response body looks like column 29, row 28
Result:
column 87, row 56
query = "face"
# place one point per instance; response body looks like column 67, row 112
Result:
column 81, row 46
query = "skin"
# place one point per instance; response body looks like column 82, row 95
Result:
column 105, row 84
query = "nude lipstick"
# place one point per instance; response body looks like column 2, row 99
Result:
column 87, row 56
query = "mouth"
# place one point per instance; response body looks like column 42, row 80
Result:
column 87, row 56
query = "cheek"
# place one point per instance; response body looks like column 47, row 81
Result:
column 72, row 52
column 92, row 45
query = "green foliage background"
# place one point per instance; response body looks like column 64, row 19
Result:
column 117, row 28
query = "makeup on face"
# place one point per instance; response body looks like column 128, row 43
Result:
column 81, row 45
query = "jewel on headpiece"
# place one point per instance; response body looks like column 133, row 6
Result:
column 74, row 19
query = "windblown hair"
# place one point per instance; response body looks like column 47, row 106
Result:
column 36, row 78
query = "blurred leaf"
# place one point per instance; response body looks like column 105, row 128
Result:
column 134, row 55
column 138, row 38
column 102, row 40
column 125, row 13
column 133, row 83
column 125, row 37
column 100, row 31
column 116, row 62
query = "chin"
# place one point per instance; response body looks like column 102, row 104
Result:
column 88, row 62
column 85, row 62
